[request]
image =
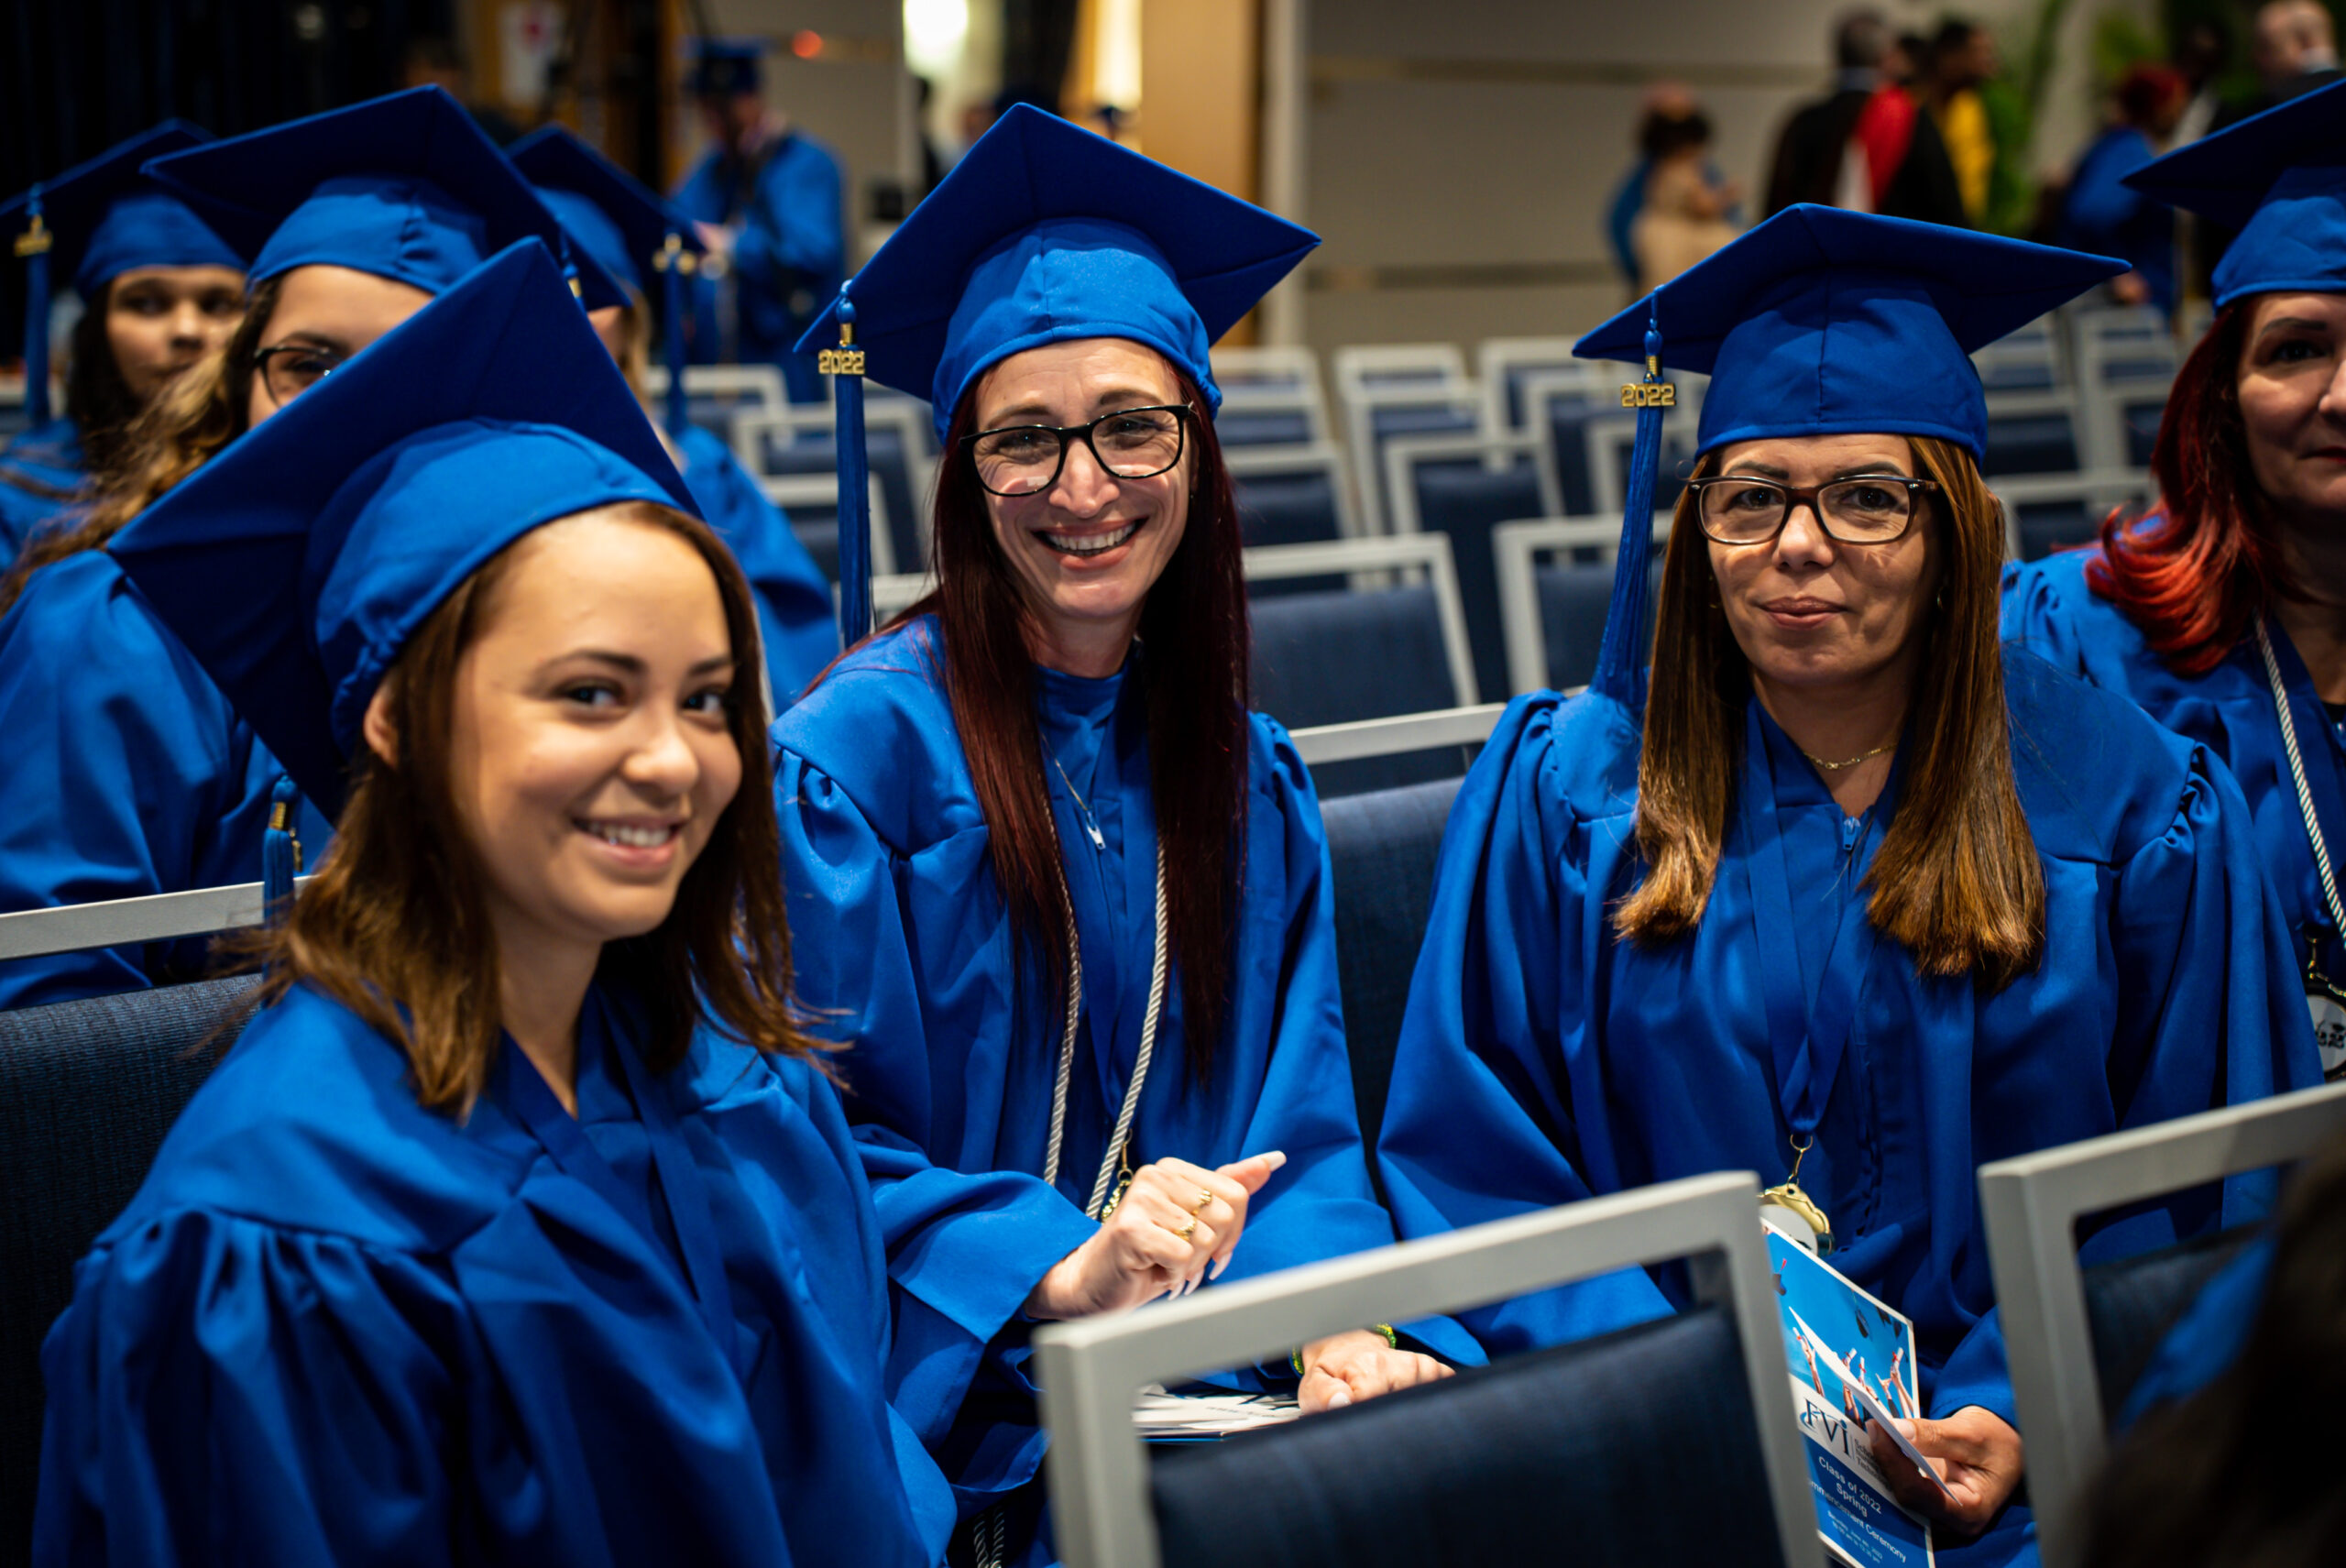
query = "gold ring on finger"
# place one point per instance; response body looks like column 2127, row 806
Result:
column 1185, row 1232
column 1205, row 1201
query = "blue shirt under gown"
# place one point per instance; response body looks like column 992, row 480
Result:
column 2050, row 611
column 789, row 251
column 129, row 773
column 794, row 616
column 1545, row 1059
column 335, row 1327
column 902, row 944
column 41, row 474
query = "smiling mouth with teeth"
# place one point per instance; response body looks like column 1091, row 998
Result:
column 631, row 838
column 1092, row 545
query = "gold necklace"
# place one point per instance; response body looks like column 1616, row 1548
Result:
column 1823, row 766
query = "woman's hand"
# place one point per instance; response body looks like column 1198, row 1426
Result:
column 1358, row 1364
column 1976, row 1455
column 1176, row 1222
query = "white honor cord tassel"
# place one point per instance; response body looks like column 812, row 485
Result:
column 2297, row 775
column 1158, row 967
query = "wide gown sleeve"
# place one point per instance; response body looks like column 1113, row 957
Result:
column 225, row 1392
column 2206, row 1011
column 1480, row 1123
column 964, row 1249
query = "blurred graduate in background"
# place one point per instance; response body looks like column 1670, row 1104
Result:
column 1067, row 896
column 1854, row 899
column 136, row 775
column 635, row 237
column 771, row 209
column 521, row 1223
column 159, row 291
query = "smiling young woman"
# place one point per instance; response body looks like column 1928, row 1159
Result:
column 1856, row 898
column 2223, row 612
column 521, row 1222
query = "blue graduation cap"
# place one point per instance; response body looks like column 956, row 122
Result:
column 2280, row 179
column 404, row 186
column 1043, row 233
column 1819, row 322
column 297, row 564
column 630, row 230
column 93, row 223
column 723, row 67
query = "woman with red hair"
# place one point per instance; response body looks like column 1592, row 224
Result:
column 2223, row 612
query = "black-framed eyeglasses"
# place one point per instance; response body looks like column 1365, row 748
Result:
column 289, row 369
column 1864, row 509
column 1130, row 443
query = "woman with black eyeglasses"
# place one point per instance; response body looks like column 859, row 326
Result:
column 1068, row 898
column 131, row 773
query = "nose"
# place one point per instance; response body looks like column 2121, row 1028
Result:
column 187, row 323
column 1804, row 540
column 661, row 763
column 2332, row 406
column 1083, row 487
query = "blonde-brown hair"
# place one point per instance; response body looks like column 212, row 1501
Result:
column 394, row 924
column 1956, row 880
column 194, row 416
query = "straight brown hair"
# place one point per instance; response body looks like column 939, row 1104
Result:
column 1194, row 629
column 394, row 924
column 1956, row 880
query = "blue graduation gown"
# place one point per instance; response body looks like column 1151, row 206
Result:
column 789, row 260
column 794, row 616
column 40, row 472
column 335, row 1327
column 128, row 774
column 1541, row 1059
column 2103, row 215
column 903, row 946
column 2051, row 611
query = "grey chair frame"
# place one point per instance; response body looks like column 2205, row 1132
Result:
column 1360, row 406
column 1366, row 559
column 1549, row 362
column 2032, row 1205
column 762, row 382
column 821, row 491
column 1398, row 736
column 1403, row 454
column 2098, row 487
column 1091, row 1368
column 1514, row 551
column 126, row 922
column 1608, row 438
column 1435, row 366
column 1321, row 455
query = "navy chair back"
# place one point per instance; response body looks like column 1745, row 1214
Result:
column 1573, row 597
column 1466, row 501
column 1264, row 427
column 87, row 1091
column 1333, row 657
column 2131, row 1303
column 2049, row 526
column 1382, row 846
column 1289, row 509
column 813, row 453
column 2030, row 443
column 1574, row 1455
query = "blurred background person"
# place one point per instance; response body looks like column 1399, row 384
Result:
column 1983, row 123
column 2105, row 215
column 432, row 62
column 1867, row 146
column 769, row 201
column 1683, row 215
column 2202, row 53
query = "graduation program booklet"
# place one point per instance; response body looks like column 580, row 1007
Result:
column 1853, row 1368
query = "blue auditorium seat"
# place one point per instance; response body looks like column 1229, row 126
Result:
column 2141, row 425
column 1573, row 596
column 1577, row 483
column 2030, row 443
column 1466, row 501
column 87, row 1091
column 2131, row 1303
column 2049, row 526
column 812, row 452
column 1264, row 427
column 1287, row 509
column 1641, row 1447
column 1382, row 846
column 1333, row 657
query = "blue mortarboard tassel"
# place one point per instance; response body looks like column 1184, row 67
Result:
column 1621, row 658
column 280, row 851
column 33, row 244
column 675, row 264
column 845, row 366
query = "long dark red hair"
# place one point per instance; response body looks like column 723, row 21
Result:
column 2193, row 574
column 1193, row 629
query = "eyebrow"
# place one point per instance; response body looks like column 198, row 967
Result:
column 2290, row 324
column 635, row 666
column 303, row 337
column 1106, row 402
column 1885, row 467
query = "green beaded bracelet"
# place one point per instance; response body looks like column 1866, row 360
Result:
column 1392, row 1342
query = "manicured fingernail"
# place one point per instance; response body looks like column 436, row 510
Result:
column 1276, row 1159
column 1219, row 1265
column 1339, row 1399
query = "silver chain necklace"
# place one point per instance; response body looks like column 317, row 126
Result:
column 1157, row 967
column 2297, row 774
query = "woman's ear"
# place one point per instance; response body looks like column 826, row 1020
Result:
column 381, row 734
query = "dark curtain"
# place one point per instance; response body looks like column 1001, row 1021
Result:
column 77, row 76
